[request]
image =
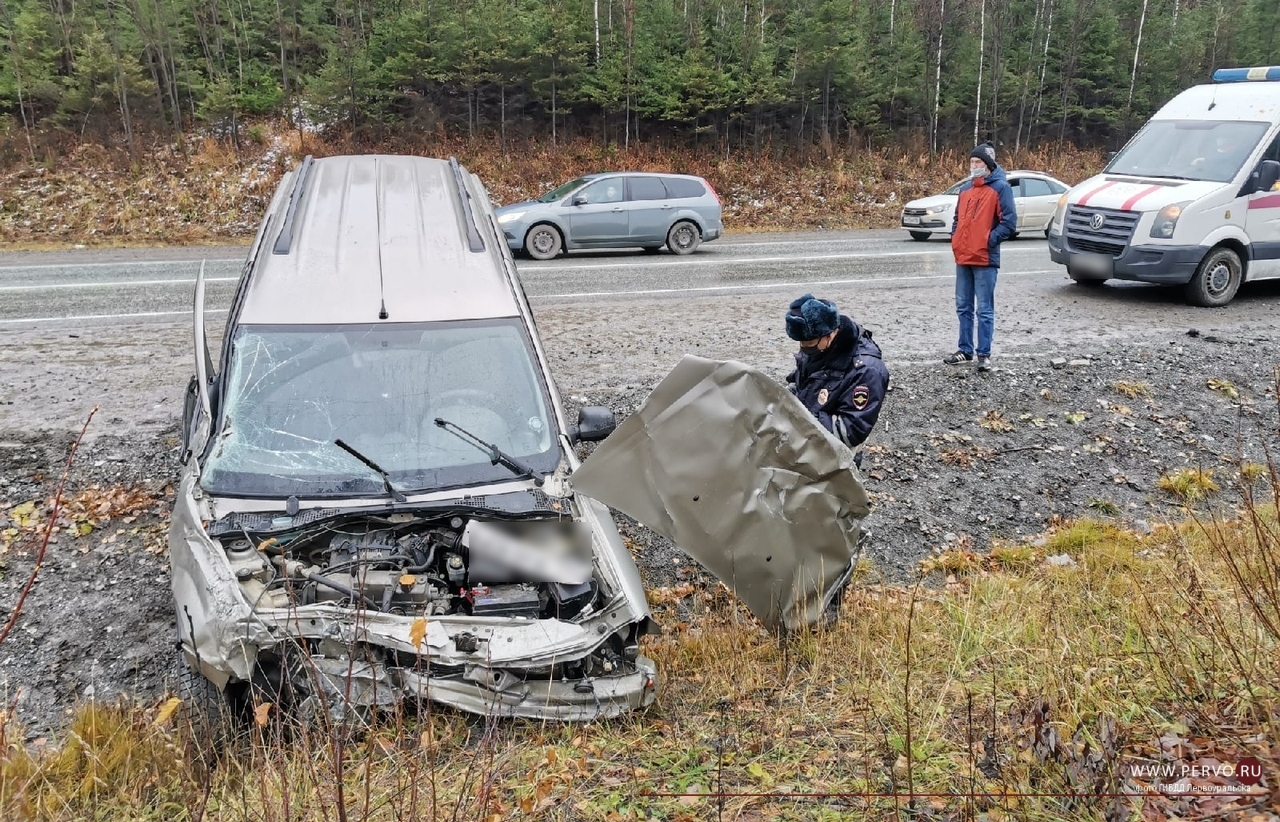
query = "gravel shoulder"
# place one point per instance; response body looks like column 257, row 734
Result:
column 958, row 457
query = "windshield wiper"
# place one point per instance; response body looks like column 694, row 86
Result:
column 386, row 478
column 496, row 455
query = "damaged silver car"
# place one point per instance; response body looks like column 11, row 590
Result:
column 374, row 508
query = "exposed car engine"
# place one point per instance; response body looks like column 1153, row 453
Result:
column 411, row 566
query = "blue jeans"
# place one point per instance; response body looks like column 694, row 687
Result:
column 976, row 284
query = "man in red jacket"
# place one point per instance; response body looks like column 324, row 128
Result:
column 985, row 217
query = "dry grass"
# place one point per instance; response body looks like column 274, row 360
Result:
column 1189, row 485
column 207, row 192
column 1133, row 390
column 992, row 684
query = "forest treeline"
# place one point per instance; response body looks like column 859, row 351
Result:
column 733, row 74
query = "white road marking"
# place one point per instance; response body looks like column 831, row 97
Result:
column 116, row 284
column 762, row 286
column 535, row 297
column 237, row 260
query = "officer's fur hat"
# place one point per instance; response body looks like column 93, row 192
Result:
column 811, row 318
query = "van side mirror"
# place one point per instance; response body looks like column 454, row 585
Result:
column 595, row 423
column 1268, row 175
column 1111, row 155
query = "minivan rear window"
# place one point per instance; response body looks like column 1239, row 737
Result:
column 683, row 188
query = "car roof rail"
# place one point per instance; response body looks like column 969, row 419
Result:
column 473, row 231
column 284, row 241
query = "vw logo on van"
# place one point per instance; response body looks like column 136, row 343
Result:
column 1097, row 221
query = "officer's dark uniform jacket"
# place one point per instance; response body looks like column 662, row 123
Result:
column 844, row 385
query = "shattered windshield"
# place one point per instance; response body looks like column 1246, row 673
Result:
column 291, row 391
column 1211, row 150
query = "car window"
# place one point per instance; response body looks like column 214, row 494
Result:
column 1035, row 187
column 604, row 191
column 955, row 189
column 683, row 188
column 1015, row 183
column 292, row 391
column 562, row 191
column 647, row 188
column 1055, row 187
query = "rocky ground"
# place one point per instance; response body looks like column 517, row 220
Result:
column 959, row 458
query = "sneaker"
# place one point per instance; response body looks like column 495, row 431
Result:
column 957, row 358
column 984, row 363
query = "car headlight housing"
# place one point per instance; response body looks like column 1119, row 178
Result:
column 510, row 216
column 1167, row 220
column 938, row 209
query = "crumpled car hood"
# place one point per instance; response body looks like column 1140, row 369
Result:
column 734, row 469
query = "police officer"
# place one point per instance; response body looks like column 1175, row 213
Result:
column 839, row 374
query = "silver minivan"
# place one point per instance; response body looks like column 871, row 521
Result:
column 374, row 506
column 616, row 210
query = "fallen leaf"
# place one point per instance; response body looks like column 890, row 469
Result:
column 417, row 632
column 262, row 714
column 166, row 711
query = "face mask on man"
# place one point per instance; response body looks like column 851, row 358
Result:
column 980, row 171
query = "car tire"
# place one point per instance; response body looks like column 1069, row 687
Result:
column 543, row 242
column 684, row 238
column 919, row 236
column 1216, row 280
column 207, row 712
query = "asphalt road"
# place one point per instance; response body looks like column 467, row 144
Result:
column 128, row 285
column 112, row 327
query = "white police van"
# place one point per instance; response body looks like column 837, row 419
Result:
column 1191, row 200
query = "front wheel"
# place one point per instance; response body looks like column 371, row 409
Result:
column 919, row 236
column 543, row 242
column 684, row 238
column 1217, row 280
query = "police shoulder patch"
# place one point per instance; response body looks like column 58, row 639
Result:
column 860, row 397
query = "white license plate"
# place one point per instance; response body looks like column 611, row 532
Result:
column 911, row 221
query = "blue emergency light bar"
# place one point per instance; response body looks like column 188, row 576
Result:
column 1245, row 75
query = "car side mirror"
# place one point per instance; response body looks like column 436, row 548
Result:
column 1268, row 175
column 595, row 423
column 579, row 201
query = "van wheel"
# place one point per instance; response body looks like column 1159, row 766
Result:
column 1216, row 280
column 543, row 242
column 919, row 236
column 684, row 238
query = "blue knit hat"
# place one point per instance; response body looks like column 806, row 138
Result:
column 811, row 318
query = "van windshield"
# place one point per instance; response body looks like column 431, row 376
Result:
column 291, row 391
column 1211, row 150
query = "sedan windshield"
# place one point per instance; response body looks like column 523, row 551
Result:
column 1209, row 150
column 563, row 191
column 292, row 391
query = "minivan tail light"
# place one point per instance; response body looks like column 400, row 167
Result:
column 715, row 194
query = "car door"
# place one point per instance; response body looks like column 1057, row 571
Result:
column 596, row 214
column 1262, row 223
column 1039, row 201
column 1015, row 183
column 649, row 209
